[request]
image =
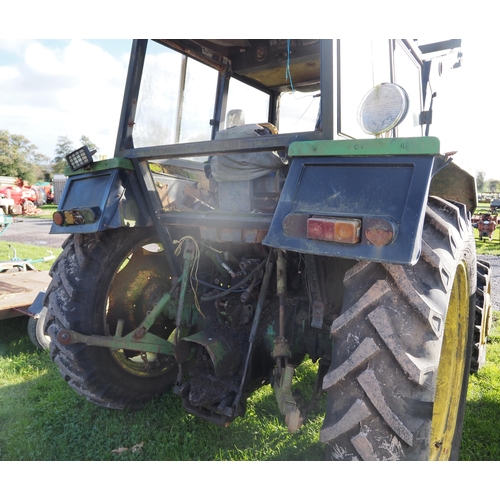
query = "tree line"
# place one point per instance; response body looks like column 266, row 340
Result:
column 20, row 158
column 484, row 185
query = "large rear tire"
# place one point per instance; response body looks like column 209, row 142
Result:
column 402, row 348
column 98, row 279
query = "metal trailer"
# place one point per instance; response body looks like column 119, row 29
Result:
column 22, row 293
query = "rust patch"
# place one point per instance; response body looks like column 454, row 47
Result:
column 379, row 232
column 379, row 237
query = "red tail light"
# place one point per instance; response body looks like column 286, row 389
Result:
column 335, row 230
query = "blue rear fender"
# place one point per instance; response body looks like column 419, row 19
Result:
column 391, row 189
column 113, row 196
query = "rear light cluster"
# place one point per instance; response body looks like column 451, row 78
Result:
column 336, row 230
column 75, row 217
column 373, row 231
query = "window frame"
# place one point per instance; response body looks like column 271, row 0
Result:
column 124, row 145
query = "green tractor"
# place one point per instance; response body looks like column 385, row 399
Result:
column 272, row 201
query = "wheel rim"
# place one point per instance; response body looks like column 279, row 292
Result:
column 139, row 282
column 451, row 369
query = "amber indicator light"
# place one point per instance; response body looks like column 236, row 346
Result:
column 58, row 218
column 335, row 230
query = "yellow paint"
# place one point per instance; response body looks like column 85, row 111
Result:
column 451, row 368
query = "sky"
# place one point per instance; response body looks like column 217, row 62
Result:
column 54, row 88
column 72, row 87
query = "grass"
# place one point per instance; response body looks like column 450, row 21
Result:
column 43, row 419
column 47, row 211
column 11, row 251
column 487, row 247
column 481, row 435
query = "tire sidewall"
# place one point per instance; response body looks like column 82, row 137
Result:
column 94, row 261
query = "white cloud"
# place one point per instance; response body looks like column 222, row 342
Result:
column 8, row 73
column 14, row 46
column 43, row 60
column 61, row 88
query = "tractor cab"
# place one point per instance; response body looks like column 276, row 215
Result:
column 187, row 91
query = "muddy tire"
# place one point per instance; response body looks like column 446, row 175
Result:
column 36, row 331
column 98, row 279
column 397, row 384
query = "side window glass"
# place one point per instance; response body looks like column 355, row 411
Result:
column 298, row 111
column 407, row 74
column 176, row 99
column 197, row 106
column 246, row 104
column 363, row 64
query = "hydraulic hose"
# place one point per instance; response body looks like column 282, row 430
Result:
column 231, row 290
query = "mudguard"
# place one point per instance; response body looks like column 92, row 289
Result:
column 111, row 191
column 380, row 182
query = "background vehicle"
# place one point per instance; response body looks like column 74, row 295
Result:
column 249, row 221
column 18, row 198
column 486, row 223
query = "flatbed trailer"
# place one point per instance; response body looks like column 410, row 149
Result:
column 19, row 292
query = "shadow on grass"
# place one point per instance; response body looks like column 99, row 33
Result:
column 51, row 422
column 43, row 419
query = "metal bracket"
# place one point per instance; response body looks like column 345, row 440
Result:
column 318, row 306
column 145, row 343
column 286, row 402
column 139, row 339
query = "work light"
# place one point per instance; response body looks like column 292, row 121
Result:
column 80, row 158
column 383, row 108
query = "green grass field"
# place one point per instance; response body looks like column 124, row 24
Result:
column 42, row 418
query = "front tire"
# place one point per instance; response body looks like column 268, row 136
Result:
column 397, row 384
column 98, row 279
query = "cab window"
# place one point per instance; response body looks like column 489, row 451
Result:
column 299, row 111
column 252, row 104
column 407, row 74
column 362, row 65
column 176, row 99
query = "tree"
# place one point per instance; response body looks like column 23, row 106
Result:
column 493, row 186
column 20, row 158
column 64, row 147
column 87, row 142
column 480, row 178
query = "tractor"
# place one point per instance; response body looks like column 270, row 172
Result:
column 272, row 201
